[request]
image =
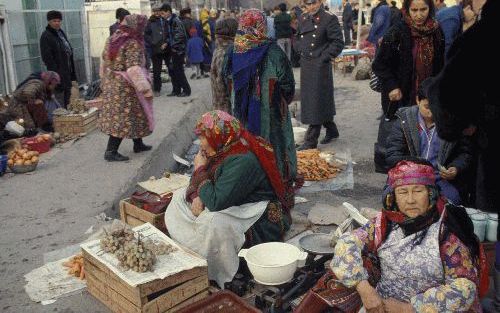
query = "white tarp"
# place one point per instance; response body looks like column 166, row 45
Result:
column 166, row 265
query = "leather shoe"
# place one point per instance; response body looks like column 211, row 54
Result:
column 142, row 147
column 183, row 94
column 114, row 156
column 173, row 94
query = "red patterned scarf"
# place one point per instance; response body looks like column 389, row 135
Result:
column 423, row 37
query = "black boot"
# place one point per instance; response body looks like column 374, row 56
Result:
column 112, row 154
column 139, row 146
column 332, row 132
column 311, row 138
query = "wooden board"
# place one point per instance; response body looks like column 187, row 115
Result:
column 135, row 216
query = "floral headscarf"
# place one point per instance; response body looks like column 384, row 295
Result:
column 227, row 137
column 252, row 31
column 132, row 27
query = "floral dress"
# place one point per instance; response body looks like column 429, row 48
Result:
column 456, row 291
column 122, row 114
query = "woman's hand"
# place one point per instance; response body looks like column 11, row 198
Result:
column 448, row 174
column 372, row 301
column 395, row 95
column 38, row 102
column 148, row 95
column 197, row 206
column 394, row 306
column 199, row 160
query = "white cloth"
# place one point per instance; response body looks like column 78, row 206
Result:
column 217, row 236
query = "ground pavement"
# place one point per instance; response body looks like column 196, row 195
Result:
column 53, row 207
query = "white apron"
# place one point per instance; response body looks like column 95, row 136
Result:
column 217, row 236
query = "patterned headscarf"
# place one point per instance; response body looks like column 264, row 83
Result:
column 411, row 173
column 252, row 31
column 132, row 27
column 227, row 137
column 50, row 77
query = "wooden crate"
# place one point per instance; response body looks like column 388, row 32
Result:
column 159, row 296
column 74, row 124
column 135, row 216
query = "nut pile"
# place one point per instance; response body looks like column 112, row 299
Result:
column 313, row 167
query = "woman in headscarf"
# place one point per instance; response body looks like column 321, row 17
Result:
column 28, row 102
column 261, row 84
column 236, row 196
column 419, row 254
column 411, row 51
column 127, row 110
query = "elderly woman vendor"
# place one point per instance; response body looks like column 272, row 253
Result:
column 236, row 196
column 419, row 255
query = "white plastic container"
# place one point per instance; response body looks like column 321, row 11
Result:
column 14, row 128
column 471, row 211
column 273, row 263
column 491, row 227
column 480, row 221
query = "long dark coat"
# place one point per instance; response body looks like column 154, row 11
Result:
column 464, row 93
column 394, row 65
column 55, row 57
column 319, row 39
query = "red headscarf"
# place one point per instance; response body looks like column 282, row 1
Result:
column 132, row 28
column 227, row 137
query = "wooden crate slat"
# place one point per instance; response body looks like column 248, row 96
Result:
column 161, row 284
column 135, row 216
column 179, row 294
column 99, row 270
column 111, row 296
column 200, row 296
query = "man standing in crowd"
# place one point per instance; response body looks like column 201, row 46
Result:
column 176, row 41
column 57, row 55
column 347, row 22
column 380, row 19
column 119, row 15
column 283, row 28
column 156, row 37
column 187, row 20
column 319, row 40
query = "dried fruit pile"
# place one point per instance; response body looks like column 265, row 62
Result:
column 137, row 254
column 313, row 167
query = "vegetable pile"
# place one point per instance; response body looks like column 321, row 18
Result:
column 75, row 266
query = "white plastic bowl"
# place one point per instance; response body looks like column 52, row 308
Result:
column 273, row 263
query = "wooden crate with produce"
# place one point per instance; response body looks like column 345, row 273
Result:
column 133, row 215
column 74, row 124
column 185, row 276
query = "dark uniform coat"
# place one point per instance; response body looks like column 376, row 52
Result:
column 319, row 39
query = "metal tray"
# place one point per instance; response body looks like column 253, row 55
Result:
column 318, row 244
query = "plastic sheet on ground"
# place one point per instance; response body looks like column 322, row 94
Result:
column 51, row 281
column 166, row 265
column 343, row 180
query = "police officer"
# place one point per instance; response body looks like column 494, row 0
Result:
column 319, row 39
